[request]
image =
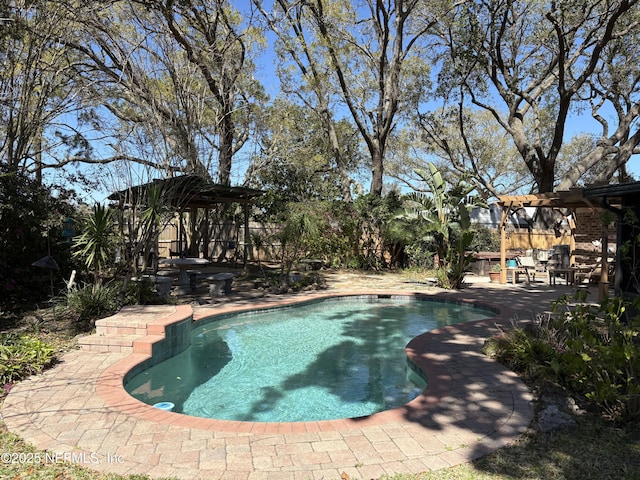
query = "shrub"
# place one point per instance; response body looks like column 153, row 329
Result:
column 592, row 352
column 279, row 284
column 31, row 222
column 141, row 292
column 22, row 356
column 485, row 239
column 91, row 302
column 420, row 254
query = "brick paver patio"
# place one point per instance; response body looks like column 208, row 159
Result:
column 80, row 413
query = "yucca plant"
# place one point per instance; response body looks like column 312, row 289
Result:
column 153, row 216
column 95, row 245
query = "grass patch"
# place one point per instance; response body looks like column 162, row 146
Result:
column 594, row 450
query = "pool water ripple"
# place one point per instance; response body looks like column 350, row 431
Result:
column 337, row 358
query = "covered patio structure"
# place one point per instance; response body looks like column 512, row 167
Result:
column 566, row 203
column 188, row 194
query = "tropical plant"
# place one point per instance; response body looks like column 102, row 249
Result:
column 301, row 228
column 374, row 233
column 443, row 212
column 96, row 244
column 591, row 351
column 153, row 215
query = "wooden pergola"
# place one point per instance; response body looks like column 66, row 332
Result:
column 188, row 193
column 561, row 201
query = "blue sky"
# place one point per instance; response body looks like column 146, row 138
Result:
column 266, row 64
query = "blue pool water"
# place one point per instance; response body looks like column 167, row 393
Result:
column 336, row 358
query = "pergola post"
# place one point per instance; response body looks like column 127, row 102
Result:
column 503, row 244
column 247, row 237
column 207, row 239
column 603, row 289
column 572, row 238
column 181, row 248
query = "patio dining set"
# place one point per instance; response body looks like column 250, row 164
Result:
column 551, row 265
column 192, row 272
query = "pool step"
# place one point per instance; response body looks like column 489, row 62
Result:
column 108, row 343
column 119, row 332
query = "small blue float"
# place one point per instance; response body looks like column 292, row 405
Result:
column 166, row 406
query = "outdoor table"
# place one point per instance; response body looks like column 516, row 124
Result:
column 483, row 261
column 567, row 273
column 183, row 264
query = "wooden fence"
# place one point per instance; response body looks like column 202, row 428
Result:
column 538, row 240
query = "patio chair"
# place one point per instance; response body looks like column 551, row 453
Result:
column 529, row 265
column 517, row 269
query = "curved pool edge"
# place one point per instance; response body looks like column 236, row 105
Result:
column 111, row 382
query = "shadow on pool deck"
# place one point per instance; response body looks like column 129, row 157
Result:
column 473, row 405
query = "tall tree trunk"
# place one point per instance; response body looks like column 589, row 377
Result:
column 345, row 181
column 377, row 168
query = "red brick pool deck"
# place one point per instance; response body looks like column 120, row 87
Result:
column 80, row 412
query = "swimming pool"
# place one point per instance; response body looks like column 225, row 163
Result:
column 335, row 358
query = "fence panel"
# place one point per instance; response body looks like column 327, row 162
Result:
column 537, row 240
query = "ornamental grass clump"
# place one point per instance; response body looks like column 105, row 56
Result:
column 591, row 351
column 86, row 304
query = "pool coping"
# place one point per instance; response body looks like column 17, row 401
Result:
column 450, row 423
column 110, row 384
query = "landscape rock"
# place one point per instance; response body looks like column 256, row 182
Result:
column 551, row 418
